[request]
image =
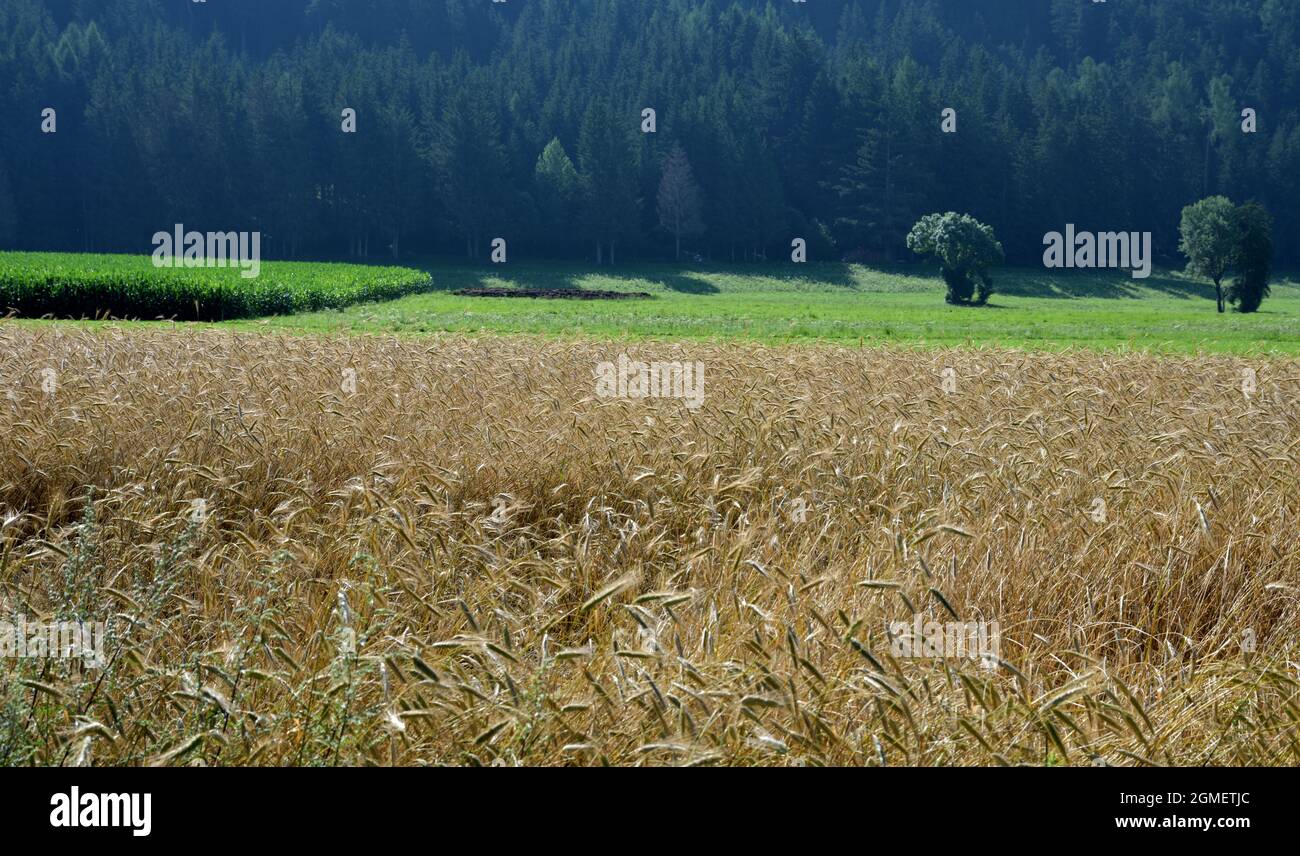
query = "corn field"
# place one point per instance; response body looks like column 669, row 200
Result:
column 94, row 285
column 451, row 550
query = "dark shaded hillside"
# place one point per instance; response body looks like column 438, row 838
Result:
column 818, row 120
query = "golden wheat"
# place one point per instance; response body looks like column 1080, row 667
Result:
column 451, row 550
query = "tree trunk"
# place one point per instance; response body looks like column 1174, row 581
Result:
column 679, row 246
column 1218, row 291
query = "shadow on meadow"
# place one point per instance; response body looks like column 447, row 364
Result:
column 687, row 284
column 704, row 279
column 1110, row 285
column 699, row 279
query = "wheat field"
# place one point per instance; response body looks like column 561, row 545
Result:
column 381, row 551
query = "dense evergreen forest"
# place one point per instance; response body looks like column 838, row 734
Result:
column 524, row 119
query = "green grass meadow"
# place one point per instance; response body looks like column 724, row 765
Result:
column 816, row 302
column 839, row 303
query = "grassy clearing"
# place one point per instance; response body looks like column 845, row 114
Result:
column 842, row 304
column 450, row 550
column 73, row 285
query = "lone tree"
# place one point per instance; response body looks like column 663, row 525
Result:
column 965, row 248
column 1210, row 240
column 558, row 189
column 679, row 198
column 1252, row 262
